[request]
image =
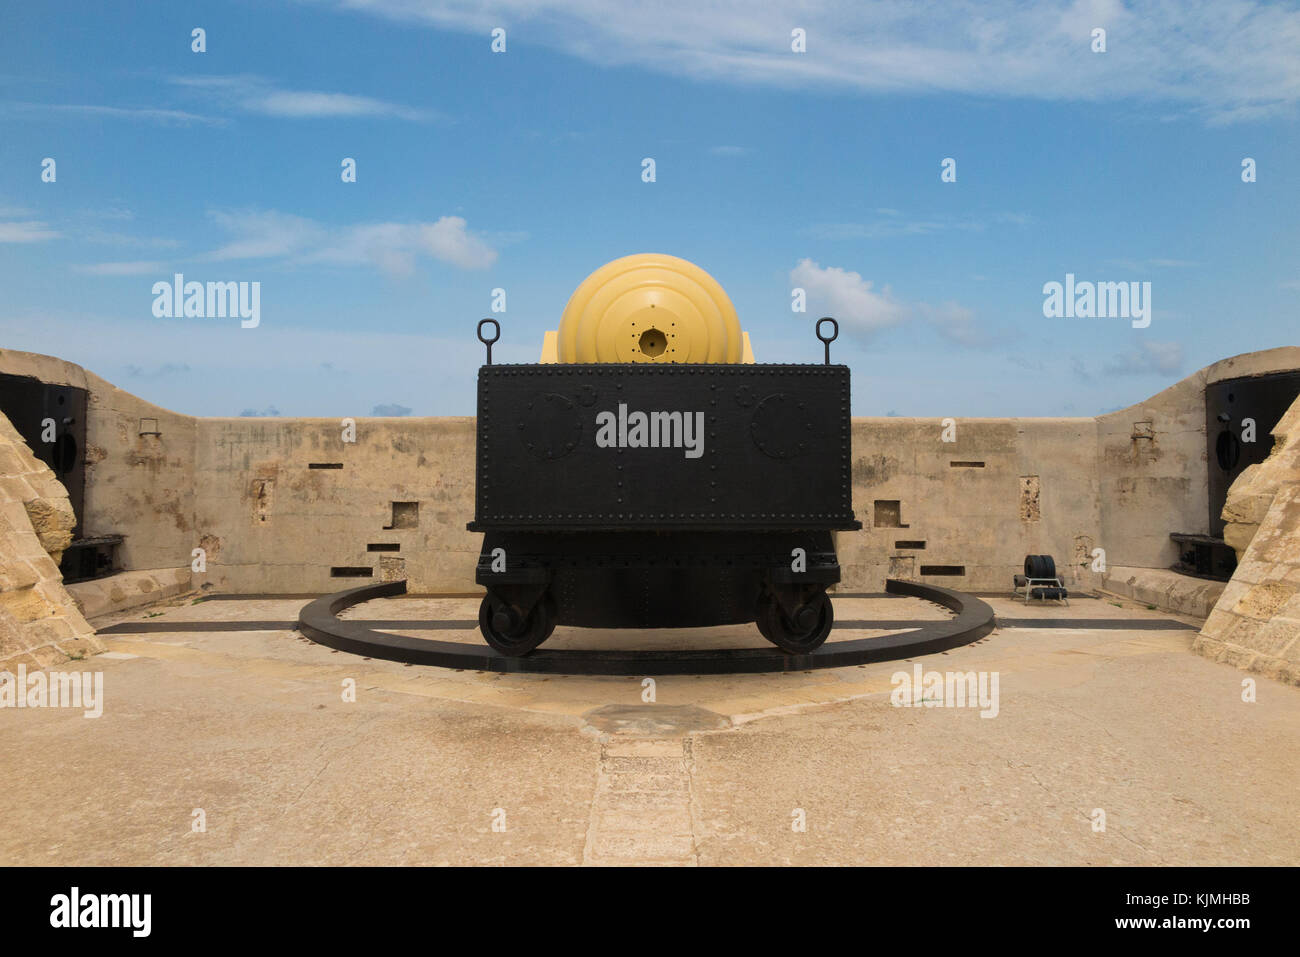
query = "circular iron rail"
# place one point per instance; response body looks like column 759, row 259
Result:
column 319, row 621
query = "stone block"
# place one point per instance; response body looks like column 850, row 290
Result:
column 1278, row 638
column 1263, row 601
column 25, row 604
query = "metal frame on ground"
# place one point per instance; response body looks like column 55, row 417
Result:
column 973, row 619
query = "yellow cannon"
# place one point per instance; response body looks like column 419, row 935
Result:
column 648, row 308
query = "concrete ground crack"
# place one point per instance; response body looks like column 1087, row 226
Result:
column 355, row 734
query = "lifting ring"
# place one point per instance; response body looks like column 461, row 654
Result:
column 488, row 342
column 834, row 335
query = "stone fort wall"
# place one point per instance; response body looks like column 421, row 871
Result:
column 286, row 506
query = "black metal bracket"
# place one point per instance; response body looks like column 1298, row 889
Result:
column 488, row 342
column 834, row 335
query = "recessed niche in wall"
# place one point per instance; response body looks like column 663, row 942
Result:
column 262, row 491
column 325, row 465
column 888, row 514
column 405, row 515
column 1029, row 493
column 351, row 571
column 943, row 569
column 907, row 544
column 383, row 547
column 966, row 465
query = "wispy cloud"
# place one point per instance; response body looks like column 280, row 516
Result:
column 864, row 310
column 158, row 371
column 393, row 247
column 729, row 151
column 144, row 114
column 104, row 237
column 138, row 268
column 29, row 231
column 1149, row 358
column 114, row 210
column 1146, row 265
column 892, row 223
column 255, row 94
column 1226, row 60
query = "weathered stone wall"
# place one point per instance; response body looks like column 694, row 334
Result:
column 1003, row 489
column 270, row 522
column 1256, row 624
column 40, row 624
column 140, row 486
column 1153, row 479
column 1151, row 460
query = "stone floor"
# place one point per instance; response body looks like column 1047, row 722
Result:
column 1106, row 712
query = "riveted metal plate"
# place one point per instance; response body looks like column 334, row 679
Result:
column 640, row 446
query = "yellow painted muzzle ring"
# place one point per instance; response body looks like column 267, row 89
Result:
column 650, row 308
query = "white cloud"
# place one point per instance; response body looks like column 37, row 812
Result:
column 848, row 297
column 393, row 247
column 861, row 309
column 729, row 150
column 29, row 231
column 1228, row 60
column 308, row 104
column 266, row 234
column 255, row 94
column 954, row 322
column 1149, row 358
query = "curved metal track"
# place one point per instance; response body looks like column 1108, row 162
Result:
column 319, row 621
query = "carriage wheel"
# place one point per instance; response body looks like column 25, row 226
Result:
column 504, row 631
column 811, row 627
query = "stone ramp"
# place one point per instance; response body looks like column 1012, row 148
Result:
column 1256, row 624
column 40, row 624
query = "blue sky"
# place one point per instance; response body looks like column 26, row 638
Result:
column 522, row 170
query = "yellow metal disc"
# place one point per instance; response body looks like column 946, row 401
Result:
column 650, row 308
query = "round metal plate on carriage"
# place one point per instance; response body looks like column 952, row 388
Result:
column 780, row 426
column 549, row 426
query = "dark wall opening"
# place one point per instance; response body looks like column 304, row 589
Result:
column 31, row 405
column 1228, row 404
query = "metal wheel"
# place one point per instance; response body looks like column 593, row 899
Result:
column 504, row 632
column 761, row 617
column 813, row 625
